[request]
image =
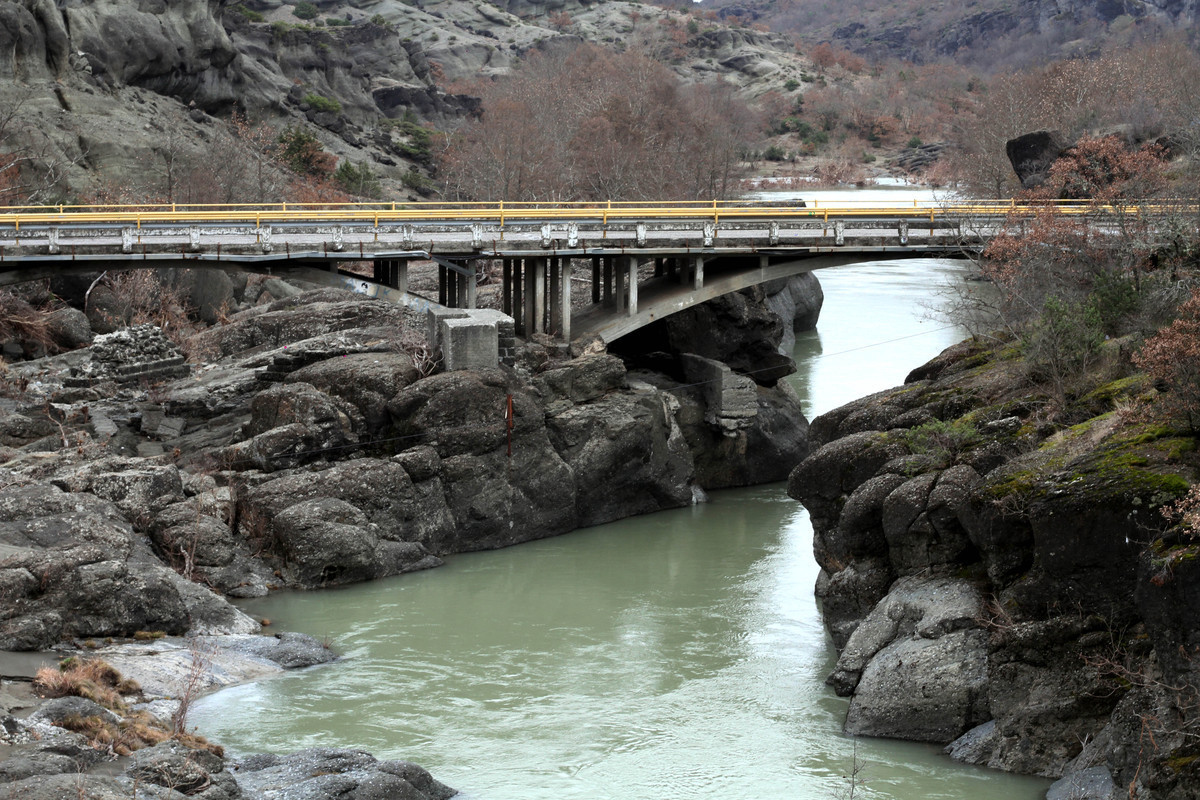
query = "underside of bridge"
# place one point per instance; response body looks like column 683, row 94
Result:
column 564, row 295
column 613, row 295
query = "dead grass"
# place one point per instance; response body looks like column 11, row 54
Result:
column 98, row 681
column 22, row 322
column 93, row 679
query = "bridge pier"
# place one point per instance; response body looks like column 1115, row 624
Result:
column 631, row 268
column 392, row 272
column 565, row 300
column 698, row 273
column 457, row 285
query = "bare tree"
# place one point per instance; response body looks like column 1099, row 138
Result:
column 32, row 170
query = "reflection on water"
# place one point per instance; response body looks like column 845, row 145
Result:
column 676, row 655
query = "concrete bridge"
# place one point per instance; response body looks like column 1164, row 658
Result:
column 643, row 260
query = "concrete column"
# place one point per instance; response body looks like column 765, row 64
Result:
column 595, row 280
column 565, row 313
column 518, row 299
column 506, row 304
column 552, row 307
column 698, row 273
column 539, row 295
column 608, row 281
column 659, row 267
column 401, row 283
column 442, row 287
column 631, row 267
column 472, row 282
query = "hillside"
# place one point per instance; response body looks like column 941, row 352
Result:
column 119, row 102
column 981, row 34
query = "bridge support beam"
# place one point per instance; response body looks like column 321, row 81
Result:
column 506, row 286
column 631, row 268
column 517, row 291
column 553, row 308
column 608, row 299
column 535, row 296
column 392, row 272
column 470, row 285
column 565, row 298
column 595, row 280
column 698, row 273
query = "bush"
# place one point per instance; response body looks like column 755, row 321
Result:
column 420, row 140
column 321, row 103
column 791, row 84
column 249, row 14
column 357, row 180
column 1172, row 357
column 775, row 153
column 418, row 183
column 337, row 22
column 1062, row 344
column 944, row 441
column 1115, row 298
column 915, row 141
column 306, row 10
column 302, row 152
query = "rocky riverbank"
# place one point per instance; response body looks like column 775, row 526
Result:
column 1005, row 583
column 310, row 441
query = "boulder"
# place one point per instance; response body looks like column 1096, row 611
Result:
column 365, row 380
column 625, row 455
column 921, row 523
column 292, row 424
column 295, row 319
column 797, row 301
column 327, row 541
column 825, row 479
column 914, row 608
column 1031, row 155
column 403, row 507
column 191, row 772
column 328, row 773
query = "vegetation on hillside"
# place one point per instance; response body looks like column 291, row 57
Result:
column 592, row 124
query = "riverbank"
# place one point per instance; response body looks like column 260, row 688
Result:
column 307, row 449
column 1003, row 582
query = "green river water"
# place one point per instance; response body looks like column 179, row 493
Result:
column 671, row 656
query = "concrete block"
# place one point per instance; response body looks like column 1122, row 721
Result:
column 732, row 399
column 433, row 322
column 468, row 344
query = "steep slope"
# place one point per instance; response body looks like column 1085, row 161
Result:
column 119, row 93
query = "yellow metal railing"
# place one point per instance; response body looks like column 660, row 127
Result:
column 509, row 212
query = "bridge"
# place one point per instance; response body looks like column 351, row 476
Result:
column 646, row 259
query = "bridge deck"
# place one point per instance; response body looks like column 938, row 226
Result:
column 747, row 242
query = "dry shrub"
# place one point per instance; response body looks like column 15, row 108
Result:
column 138, row 297
column 20, row 321
column 1172, row 357
column 136, row 731
column 98, row 681
column 93, row 679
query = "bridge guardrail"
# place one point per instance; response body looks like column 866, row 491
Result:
column 502, row 212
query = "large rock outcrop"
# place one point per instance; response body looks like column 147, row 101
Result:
column 989, row 576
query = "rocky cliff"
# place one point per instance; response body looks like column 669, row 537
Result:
column 112, row 93
column 1006, row 585
column 307, row 449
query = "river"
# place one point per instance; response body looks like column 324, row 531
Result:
column 666, row 657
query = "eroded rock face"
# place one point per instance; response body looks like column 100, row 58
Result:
column 917, row 665
column 929, row 499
